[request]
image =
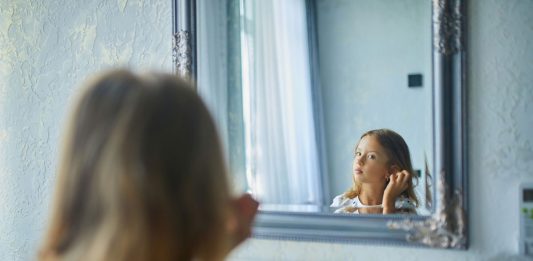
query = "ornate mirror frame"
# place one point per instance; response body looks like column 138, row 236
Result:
column 447, row 226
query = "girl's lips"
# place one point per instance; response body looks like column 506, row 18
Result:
column 357, row 171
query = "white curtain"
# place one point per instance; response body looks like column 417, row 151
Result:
column 282, row 164
column 212, row 67
column 213, row 84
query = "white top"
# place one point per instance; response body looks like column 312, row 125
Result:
column 352, row 205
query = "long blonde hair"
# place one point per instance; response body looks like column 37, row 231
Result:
column 398, row 154
column 141, row 177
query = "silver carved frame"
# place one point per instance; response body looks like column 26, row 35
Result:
column 184, row 38
column 447, row 226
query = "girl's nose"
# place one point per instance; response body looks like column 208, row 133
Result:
column 359, row 160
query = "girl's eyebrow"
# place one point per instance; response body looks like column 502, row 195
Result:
column 370, row 151
column 367, row 150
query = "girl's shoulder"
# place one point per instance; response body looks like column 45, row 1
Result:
column 344, row 204
column 341, row 200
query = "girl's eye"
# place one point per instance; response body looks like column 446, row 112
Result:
column 371, row 156
column 358, row 154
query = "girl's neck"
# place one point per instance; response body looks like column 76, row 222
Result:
column 371, row 194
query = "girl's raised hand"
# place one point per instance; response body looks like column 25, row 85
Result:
column 398, row 183
column 245, row 209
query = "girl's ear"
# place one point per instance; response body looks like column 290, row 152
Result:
column 394, row 169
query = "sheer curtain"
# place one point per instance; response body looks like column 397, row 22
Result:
column 282, row 164
column 219, row 79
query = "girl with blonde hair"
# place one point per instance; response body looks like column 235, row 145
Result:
column 142, row 177
column 382, row 176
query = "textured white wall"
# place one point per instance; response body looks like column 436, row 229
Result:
column 500, row 131
column 46, row 49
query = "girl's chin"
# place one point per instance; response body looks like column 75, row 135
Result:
column 358, row 178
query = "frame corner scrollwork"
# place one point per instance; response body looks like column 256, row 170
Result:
column 181, row 53
column 184, row 38
column 444, row 229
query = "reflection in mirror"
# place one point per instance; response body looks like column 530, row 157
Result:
column 382, row 174
column 304, row 80
column 367, row 53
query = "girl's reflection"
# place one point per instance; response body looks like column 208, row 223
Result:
column 382, row 176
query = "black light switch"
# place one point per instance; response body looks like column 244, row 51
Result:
column 414, row 80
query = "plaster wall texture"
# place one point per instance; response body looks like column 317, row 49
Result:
column 47, row 48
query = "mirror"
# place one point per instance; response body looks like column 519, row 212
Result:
column 294, row 84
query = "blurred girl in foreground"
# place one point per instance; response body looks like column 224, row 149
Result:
column 142, row 177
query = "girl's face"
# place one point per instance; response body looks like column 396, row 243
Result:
column 370, row 164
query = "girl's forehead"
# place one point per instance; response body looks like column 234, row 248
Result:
column 371, row 144
column 369, row 141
